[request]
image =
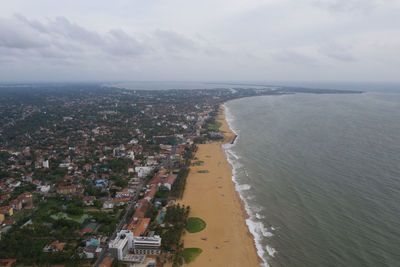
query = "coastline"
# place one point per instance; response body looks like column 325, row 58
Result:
column 212, row 196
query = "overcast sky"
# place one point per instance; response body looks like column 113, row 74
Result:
column 209, row 40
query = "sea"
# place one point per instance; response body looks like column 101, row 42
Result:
column 320, row 176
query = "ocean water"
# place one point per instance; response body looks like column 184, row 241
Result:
column 320, row 176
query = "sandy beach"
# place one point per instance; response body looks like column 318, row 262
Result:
column 226, row 240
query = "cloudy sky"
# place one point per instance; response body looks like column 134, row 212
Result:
column 208, row 40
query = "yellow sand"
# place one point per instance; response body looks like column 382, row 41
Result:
column 226, row 240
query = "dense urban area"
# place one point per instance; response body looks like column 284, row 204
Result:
column 91, row 175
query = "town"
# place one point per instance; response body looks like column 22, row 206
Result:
column 92, row 175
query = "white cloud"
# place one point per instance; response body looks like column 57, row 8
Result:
column 210, row 39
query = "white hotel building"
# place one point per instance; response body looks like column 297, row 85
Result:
column 126, row 243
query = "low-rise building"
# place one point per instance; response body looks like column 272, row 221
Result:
column 66, row 189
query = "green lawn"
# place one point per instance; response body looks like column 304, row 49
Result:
column 190, row 254
column 195, row 225
column 203, row 171
column 215, row 126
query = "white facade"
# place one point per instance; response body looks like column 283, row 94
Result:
column 143, row 171
column 122, row 243
column 125, row 242
column 46, row 164
column 146, row 245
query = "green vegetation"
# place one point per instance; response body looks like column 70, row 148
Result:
column 162, row 192
column 176, row 219
column 195, row 225
column 214, row 126
column 190, row 254
column 76, row 218
column 198, row 163
column 203, row 171
column 179, row 186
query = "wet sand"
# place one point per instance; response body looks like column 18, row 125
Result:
column 226, row 240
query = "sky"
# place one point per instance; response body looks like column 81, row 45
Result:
column 208, row 40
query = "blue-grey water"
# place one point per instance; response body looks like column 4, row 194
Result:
column 320, row 176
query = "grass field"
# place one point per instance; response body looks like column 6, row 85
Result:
column 195, row 225
column 203, row 171
column 190, row 254
column 215, row 126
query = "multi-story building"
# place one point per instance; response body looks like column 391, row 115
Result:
column 126, row 243
column 122, row 244
column 147, row 245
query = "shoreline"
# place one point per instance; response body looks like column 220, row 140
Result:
column 212, row 196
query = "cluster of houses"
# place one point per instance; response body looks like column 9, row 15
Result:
column 75, row 157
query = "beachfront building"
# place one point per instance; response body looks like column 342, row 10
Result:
column 122, row 244
column 126, row 244
column 147, row 245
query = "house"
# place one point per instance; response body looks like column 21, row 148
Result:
column 66, row 189
column 169, row 181
column 121, row 201
column 88, row 201
column 108, row 204
column 156, row 180
column 54, row 246
column 26, row 199
column 6, row 210
column 92, row 251
column 44, row 189
column 122, row 194
column 150, row 193
column 4, row 197
column 16, row 204
column 9, row 222
column 87, row 167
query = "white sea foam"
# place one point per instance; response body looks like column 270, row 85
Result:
column 271, row 251
column 244, row 187
column 265, row 232
column 259, row 216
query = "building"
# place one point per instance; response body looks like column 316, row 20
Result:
column 143, row 171
column 108, row 204
column 88, row 201
column 46, row 164
column 16, row 204
column 122, row 244
column 6, row 210
column 146, row 245
column 54, row 246
column 66, row 189
column 138, row 226
column 169, row 181
column 126, row 243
